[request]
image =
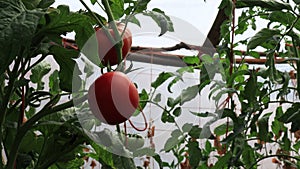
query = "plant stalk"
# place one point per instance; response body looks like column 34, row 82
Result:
column 28, row 125
column 298, row 65
column 6, row 98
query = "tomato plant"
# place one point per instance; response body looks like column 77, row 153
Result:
column 107, row 50
column 52, row 137
column 113, row 98
column 38, row 125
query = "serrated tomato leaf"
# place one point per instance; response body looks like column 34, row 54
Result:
column 69, row 71
column 161, row 19
column 161, row 79
column 117, row 8
column 38, row 72
column 62, row 20
column 17, row 28
column 262, row 36
column 267, row 4
column 187, row 94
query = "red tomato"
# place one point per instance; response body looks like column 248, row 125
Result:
column 107, row 50
column 113, row 98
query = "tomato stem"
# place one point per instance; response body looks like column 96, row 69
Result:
column 118, row 128
column 92, row 13
column 298, row 64
column 22, row 114
column 118, row 37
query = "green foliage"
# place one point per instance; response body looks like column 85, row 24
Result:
column 18, row 26
column 38, row 72
column 162, row 20
column 264, row 35
column 268, row 4
column 31, row 31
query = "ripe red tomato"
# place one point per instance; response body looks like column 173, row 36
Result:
column 107, row 50
column 113, row 98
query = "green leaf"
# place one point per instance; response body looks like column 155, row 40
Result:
column 144, row 151
column 297, row 2
column 22, row 82
column 173, row 141
column 69, row 72
column 286, row 142
column 284, row 18
column 229, row 113
column 222, row 161
column 143, row 102
column 251, row 89
column 17, row 26
column 207, row 59
column 54, row 83
column 157, row 98
column 117, row 8
column 31, row 4
column 277, row 128
column 195, row 131
column 31, row 142
column 208, row 146
column 65, row 141
column 262, row 36
column 187, row 127
column 248, row 156
column 263, row 127
column 158, row 160
column 177, row 112
column 23, row 160
column 162, row 20
column 268, row 4
column 173, row 82
column 134, row 20
column 45, row 3
column 182, row 70
column 166, row 117
column 161, row 79
column 227, row 6
column 134, row 143
column 77, row 162
column 93, row 1
column 223, row 129
column 206, row 114
column 38, row 72
column 121, row 162
column 237, row 74
column 297, row 146
column 141, row 6
column 195, row 153
column 292, row 115
column 191, row 60
column 187, row 94
column 171, row 102
column 105, row 157
column 243, row 23
column 61, row 21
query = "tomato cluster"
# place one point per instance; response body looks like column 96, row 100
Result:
column 113, row 98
